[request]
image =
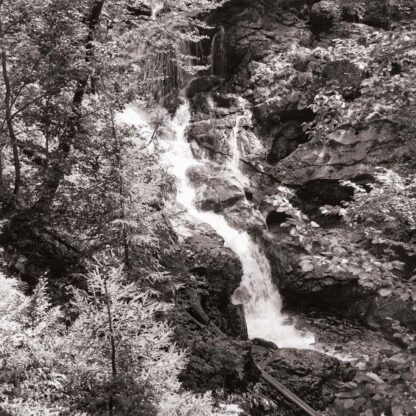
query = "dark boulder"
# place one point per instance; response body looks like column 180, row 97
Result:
column 207, row 257
column 311, row 375
column 216, row 363
column 324, row 14
column 343, row 154
column 325, row 192
column 203, row 84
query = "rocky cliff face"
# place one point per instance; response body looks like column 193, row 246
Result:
column 297, row 103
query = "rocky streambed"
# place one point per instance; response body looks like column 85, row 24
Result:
column 363, row 359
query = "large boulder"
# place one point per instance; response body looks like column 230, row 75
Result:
column 287, row 137
column 217, row 191
column 209, row 138
column 311, row 375
column 202, row 84
column 216, row 362
column 343, row 154
column 253, row 28
column 206, row 257
column 214, row 121
column 324, row 14
column 275, row 108
column 223, row 193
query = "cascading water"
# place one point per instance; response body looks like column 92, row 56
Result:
column 218, row 55
column 157, row 6
column 262, row 303
column 235, row 153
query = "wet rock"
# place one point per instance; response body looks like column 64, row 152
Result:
column 310, row 287
column 203, row 84
column 219, row 192
column 207, row 257
column 238, row 329
column 309, row 374
column 381, row 312
column 376, row 360
column 288, row 136
column 274, row 109
column 323, row 16
column 252, row 29
column 206, row 324
column 206, row 274
column 211, row 139
column 243, row 216
column 388, row 310
column 218, row 363
column 172, row 101
column 325, row 192
column 214, row 106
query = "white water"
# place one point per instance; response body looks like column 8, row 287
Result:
column 262, row 302
column 235, row 154
column 156, row 6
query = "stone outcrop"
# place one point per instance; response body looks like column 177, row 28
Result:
column 216, row 363
column 376, row 303
column 343, row 154
column 309, row 374
column 207, row 257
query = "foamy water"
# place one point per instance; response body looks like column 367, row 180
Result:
column 262, row 302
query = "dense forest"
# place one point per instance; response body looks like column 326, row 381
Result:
column 207, row 207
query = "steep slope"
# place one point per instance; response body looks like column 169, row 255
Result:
column 319, row 96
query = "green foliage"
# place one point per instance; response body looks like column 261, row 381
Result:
column 30, row 335
column 380, row 92
column 391, row 202
column 128, row 58
column 90, row 366
column 335, row 252
column 386, row 216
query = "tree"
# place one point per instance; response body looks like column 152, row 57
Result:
column 74, row 50
column 116, row 357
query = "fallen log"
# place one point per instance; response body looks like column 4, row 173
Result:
column 292, row 397
column 284, row 391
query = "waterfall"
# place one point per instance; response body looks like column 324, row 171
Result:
column 174, row 69
column 156, row 7
column 262, row 302
column 235, row 153
column 218, row 54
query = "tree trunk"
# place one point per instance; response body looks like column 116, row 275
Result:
column 119, row 174
column 1, row 167
column 58, row 163
column 112, row 345
column 9, row 117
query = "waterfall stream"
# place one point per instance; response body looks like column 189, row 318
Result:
column 262, row 302
column 218, row 54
